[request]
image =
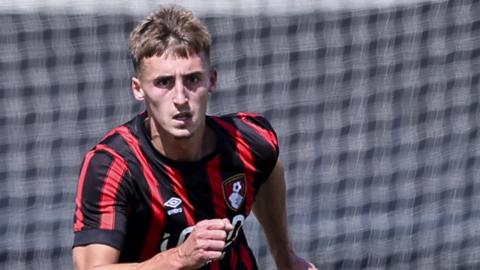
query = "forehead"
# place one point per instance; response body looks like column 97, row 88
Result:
column 171, row 63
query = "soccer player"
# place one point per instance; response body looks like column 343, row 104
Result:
column 171, row 188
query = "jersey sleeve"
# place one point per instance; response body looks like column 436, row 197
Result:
column 102, row 199
column 267, row 149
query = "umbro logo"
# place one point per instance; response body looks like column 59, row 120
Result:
column 173, row 203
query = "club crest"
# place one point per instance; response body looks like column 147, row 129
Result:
column 234, row 190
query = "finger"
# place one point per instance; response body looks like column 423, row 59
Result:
column 214, row 245
column 212, row 255
column 227, row 225
column 212, row 234
column 312, row 267
column 218, row 224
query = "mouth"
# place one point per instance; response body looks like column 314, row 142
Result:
column 183, row 116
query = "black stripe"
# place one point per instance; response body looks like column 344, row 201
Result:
column 256, row 141
column 240, row 261
column 122, row 198
column 92, row 188
column 243, row 241
column 195, row 177
column 79, row 192
column 175, row 223
column 138, row 218
column 230, row 162
column 225, row 263
column 230, row 165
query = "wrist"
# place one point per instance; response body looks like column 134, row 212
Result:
column 172, row 259
column 284, row 251
column 284, row 257
column 179, row 260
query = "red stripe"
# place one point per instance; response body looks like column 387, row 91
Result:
column 215, row 265
column 220, row 209
column 79, row 223
column 110, row 133
column 233, row 259
column 268, row 135
column 180, row 190
column 213, row 171
column 113, row 153
column 110, row 188
column 246, row 156
column 246, row 257
column 152, row 239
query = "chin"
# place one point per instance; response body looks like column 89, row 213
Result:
column 183, row 135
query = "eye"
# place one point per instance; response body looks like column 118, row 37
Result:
column 165, row 82
column 193, row 79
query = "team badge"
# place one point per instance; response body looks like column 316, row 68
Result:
column 234, row 190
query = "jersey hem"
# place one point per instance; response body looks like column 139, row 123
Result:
column 114, row 239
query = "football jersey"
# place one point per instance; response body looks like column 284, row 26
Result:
column 140, row 202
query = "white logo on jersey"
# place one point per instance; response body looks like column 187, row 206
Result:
column 235, row 191
column 237, row 223
column 236, row 198
column 173, row 203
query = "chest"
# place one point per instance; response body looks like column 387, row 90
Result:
column 182, row 196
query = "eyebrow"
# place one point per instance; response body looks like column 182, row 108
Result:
column 172, row 76
column 197, row 72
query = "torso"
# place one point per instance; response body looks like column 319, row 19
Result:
column 168, row 197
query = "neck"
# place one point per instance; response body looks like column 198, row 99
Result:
column 193, row 148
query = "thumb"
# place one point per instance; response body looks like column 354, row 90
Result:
column 227, row 225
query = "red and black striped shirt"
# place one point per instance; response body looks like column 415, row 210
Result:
column 140, row 202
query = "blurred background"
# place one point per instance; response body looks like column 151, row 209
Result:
column 376, row 104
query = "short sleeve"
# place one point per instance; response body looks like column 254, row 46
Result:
column 267, row 144
column 102, row 199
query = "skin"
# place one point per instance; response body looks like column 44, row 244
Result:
column 175, row 91
column 270, row 210
column 204, row 244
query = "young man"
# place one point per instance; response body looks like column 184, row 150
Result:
column 171, row 188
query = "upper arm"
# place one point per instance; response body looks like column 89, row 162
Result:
column 271, row 193
column 275, row 180
column 101, row 202
column 270, row 210
column 87, row 257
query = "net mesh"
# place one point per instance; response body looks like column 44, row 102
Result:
column 377, row 111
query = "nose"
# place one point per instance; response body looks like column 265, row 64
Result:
column 180, row 95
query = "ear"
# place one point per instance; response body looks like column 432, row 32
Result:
column 213, row 80
column 137, row 89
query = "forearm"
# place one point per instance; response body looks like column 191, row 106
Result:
column 118, row 266
column 270, row 210
column 272, row 217
column 169, row 259
column 205, row 243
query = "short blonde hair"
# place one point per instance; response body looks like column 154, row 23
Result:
column 170, row 29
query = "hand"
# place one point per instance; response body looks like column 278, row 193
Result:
column 301, row 264
column 205, row 243
column 297, row 263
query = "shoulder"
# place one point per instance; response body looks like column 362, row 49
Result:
column 240, row 119
column 119, row 141
column 248, row 126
